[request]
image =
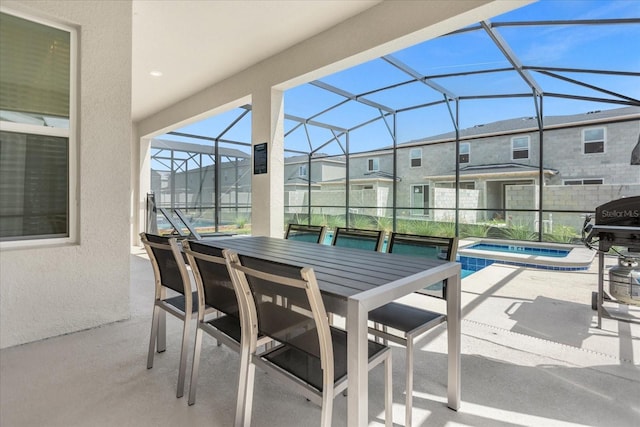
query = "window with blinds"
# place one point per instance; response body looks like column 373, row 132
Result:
column 35, row 140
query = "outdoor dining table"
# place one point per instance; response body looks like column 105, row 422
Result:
column 354, row 282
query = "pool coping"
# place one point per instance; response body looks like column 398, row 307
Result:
column 579, row 258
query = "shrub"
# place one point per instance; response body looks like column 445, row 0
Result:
column 562, row 234
column 519, row 232
column 474, row 230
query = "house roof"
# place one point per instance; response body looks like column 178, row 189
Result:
column 498, row 169
column 197, row 148
column 525, row 124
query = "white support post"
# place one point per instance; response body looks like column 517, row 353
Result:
column 267, row 190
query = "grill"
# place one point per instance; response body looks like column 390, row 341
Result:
column 617, row 224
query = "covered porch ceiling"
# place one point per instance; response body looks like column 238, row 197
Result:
column 545, row 59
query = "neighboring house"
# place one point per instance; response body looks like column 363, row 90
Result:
column 299, row 177
column 586, row 163
column 184, row 173
column 500, row 169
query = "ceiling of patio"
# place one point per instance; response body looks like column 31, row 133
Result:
column 575, row 54
column 197, row 43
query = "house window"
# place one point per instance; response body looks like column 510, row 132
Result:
column 420, row 200
column 373, row 164
column 593, row 140
column 416, row 157
column 465, row 150
column 302, row 170
column 464, row 185
column 588, row 181
column 37, row 141
column 467, row 185
column 520, row 148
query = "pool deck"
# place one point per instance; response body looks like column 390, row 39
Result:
column 579, row 258
column 531, row 356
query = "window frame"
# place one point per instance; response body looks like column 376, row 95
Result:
column 375, row 162
column 468, row 153
column 69, row 133
column 302, row 171
column 426, row 211
column 514, row 149
column 585, row 142
column 574, row 181
column 418, row 157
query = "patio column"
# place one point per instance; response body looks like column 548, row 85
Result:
column 267, row 189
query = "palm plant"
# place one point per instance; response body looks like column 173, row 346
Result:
column 474, row 230
column 446, row 229
column 519, row 232
column 425, row 228
column 360, row 221
column 562, row 234
column 384, row 223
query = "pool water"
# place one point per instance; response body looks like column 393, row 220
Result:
column 516, row 249
column 466, row 270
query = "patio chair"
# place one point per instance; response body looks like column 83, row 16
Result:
column 409, row 324
column 218, row 310
column 305, row 233
column 170, row 272
column 311, row 356
column 429, row 247
column 358, row 238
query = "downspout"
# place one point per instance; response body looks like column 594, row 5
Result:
column 216, row 184
column 309, row 190
column 456, row 124
column 394, row 197
column 347, row 182
column 538, row 99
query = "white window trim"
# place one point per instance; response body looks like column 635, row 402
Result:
column 582, row 180
column 411, row 205
column 513, row 149
column 376, row 162
column 411, row 157
column 301, row 168
column 604, row 140
column 468, row 151
column 70, row 133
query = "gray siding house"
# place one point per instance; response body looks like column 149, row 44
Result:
column 586, row 163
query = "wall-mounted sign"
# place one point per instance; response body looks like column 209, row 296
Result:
column 260, row 158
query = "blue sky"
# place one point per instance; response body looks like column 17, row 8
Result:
column 586, row 46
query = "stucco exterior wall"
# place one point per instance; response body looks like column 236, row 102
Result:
column 50, row 291
column 612, row 166
column 583, row 198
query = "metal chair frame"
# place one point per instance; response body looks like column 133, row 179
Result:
column 180, row 306
column 451, row 244
column 211, row 319
column 250, row 326
column 293, row 229
column 411, row 323
column 358, row 233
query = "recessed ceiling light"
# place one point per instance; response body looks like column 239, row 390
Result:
column 156, row 73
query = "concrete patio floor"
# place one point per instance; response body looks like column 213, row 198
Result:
column 531, row 356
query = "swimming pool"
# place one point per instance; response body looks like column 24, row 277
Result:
column 518, row 249
column 476, row 255
column 549, row 256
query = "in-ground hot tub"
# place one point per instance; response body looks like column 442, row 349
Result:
column 475, row 255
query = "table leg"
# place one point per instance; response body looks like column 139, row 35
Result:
column 453, row 337
column 357, row 362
